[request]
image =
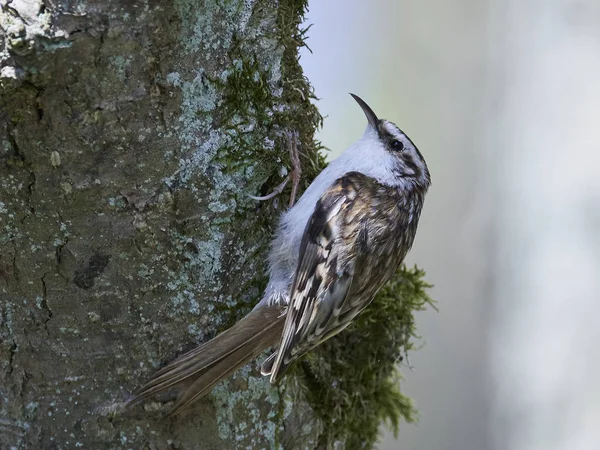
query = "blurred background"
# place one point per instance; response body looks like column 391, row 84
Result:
column 503, row 99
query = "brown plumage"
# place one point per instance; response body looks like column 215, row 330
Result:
column 358, row 234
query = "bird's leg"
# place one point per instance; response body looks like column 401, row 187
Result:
column 294, row 175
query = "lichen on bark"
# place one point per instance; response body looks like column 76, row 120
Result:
column 131, row 134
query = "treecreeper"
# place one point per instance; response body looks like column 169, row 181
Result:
column 332, row 252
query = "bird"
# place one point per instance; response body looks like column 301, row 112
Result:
column 332, row 251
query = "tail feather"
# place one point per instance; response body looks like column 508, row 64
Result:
column 221, row 370
column 197, row 371
column 267, row 365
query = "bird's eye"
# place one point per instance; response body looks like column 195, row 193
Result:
column 397, row 146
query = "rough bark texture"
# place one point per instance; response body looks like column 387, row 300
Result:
column 131, row 133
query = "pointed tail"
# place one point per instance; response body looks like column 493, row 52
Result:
column 199, row 370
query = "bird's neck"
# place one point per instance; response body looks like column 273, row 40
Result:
column 410, row 198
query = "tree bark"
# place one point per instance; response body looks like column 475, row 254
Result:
column 131, row 134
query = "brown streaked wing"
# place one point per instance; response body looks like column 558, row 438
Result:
column 327, row 263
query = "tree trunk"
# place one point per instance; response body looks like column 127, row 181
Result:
column 131, row 135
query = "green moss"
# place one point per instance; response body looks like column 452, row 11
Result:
column 351, row 381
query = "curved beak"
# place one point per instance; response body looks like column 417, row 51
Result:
column 371, row 116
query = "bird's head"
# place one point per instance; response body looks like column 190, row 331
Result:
column 407, row 161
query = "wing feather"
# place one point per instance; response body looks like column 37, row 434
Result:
column 325, row 273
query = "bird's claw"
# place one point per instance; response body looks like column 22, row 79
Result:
column 278, row 190
column 294, row 175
